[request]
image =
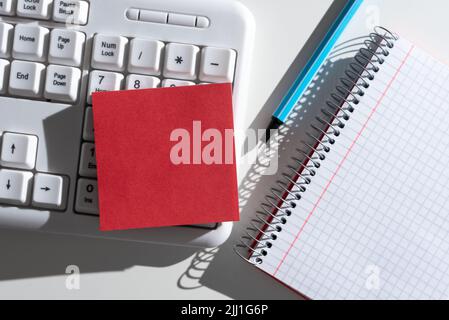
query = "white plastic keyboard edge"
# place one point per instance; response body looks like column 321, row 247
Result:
column 224, row 16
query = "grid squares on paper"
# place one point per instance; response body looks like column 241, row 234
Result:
column 379, row 229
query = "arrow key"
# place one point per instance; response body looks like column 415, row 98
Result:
column 18, row 151
column 14, row 187
column 49, row 192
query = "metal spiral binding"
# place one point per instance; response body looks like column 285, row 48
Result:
column 278, row 205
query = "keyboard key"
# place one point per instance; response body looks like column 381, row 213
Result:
column 217, row 65
column 104, row 81
column 88, row 165
column 6, row 32
column 87, row 197
column 109, row 52
column 171, row 83
column 38, row 9
column 71, row 11
column 50, row 192
column 62, row 83
column 26, row 79
column 202, row 22
column 145, row 56
column 180, row 61
column 7, row 7
column 66, row 47
column 14, row 187
column 134, row 81
column 133, row 14
column 30, row 42
column 4, row 75
column 182, row 19
column 153, row 16
column 18, row 151
column 88, row 132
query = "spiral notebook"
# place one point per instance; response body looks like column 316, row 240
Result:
column 366, row 214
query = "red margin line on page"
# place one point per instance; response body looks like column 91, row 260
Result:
column 340, row 165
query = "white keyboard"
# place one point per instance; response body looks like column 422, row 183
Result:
column 55, row 53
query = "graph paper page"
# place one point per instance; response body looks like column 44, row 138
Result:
column 374, row 223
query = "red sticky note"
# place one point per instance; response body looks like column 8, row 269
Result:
column 157, row 157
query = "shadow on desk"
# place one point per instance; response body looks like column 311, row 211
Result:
column 33, row 254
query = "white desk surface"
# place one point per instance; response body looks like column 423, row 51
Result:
column 33, row 265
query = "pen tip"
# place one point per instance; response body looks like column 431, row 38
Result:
column 275, row 124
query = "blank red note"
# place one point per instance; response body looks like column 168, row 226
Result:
column 165, row 157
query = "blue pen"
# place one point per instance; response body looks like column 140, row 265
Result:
column 312, row 67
